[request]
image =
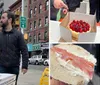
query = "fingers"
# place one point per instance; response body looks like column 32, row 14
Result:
column 54, row 82
column 61, row 83
column 65, row 11
column 24, row 71
column 63, row 5
column 60, row 4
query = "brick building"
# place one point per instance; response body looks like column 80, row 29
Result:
column 38, row 11
column 16, row 8
column 38, row 25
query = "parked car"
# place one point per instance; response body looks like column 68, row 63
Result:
column 46, row 62
column 36, row 59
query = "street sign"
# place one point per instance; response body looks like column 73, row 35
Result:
column 30, row 47
column 36, row 47
column 23, row 22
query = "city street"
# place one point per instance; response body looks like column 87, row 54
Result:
column 32, row 77
column 95, row 80
column 34, row 74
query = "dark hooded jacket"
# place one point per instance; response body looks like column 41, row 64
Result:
column 12, row 45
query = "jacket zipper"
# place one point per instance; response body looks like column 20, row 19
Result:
column 7, row 43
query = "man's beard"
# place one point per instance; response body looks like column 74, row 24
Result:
column 4, row 25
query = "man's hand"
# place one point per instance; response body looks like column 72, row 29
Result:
column 24, row 71
column 65, row 11
column 56, row 82
column 60, row 4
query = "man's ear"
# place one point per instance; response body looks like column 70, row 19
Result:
column 10, row 20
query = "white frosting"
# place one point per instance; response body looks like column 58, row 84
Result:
column 89, row 57
column 73, row 70
column 78, row 51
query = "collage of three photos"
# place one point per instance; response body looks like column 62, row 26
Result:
column 49, row 42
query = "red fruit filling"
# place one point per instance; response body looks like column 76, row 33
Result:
column 79, row 26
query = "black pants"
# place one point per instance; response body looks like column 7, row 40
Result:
column 98, row 11
column 11, row 70
column 95, row 8
column 98, row 58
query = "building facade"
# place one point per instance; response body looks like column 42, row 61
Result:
column 38, row 25
column 38, row 22
column 16, row 8
column 37, row 31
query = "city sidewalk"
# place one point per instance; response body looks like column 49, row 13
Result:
column 32, row 77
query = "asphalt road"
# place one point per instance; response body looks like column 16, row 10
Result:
column 32, row 77
column 95, row 80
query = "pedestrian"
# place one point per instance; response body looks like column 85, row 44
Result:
column 12, row 45
column 97, row 55
column 95, row 8
column 66, row 5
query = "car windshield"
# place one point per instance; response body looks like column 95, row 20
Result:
column 34, row 56
column 39, row 56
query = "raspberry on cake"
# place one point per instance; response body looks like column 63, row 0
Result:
column 79, row 26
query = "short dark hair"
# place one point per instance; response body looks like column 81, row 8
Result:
column 10, row 15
